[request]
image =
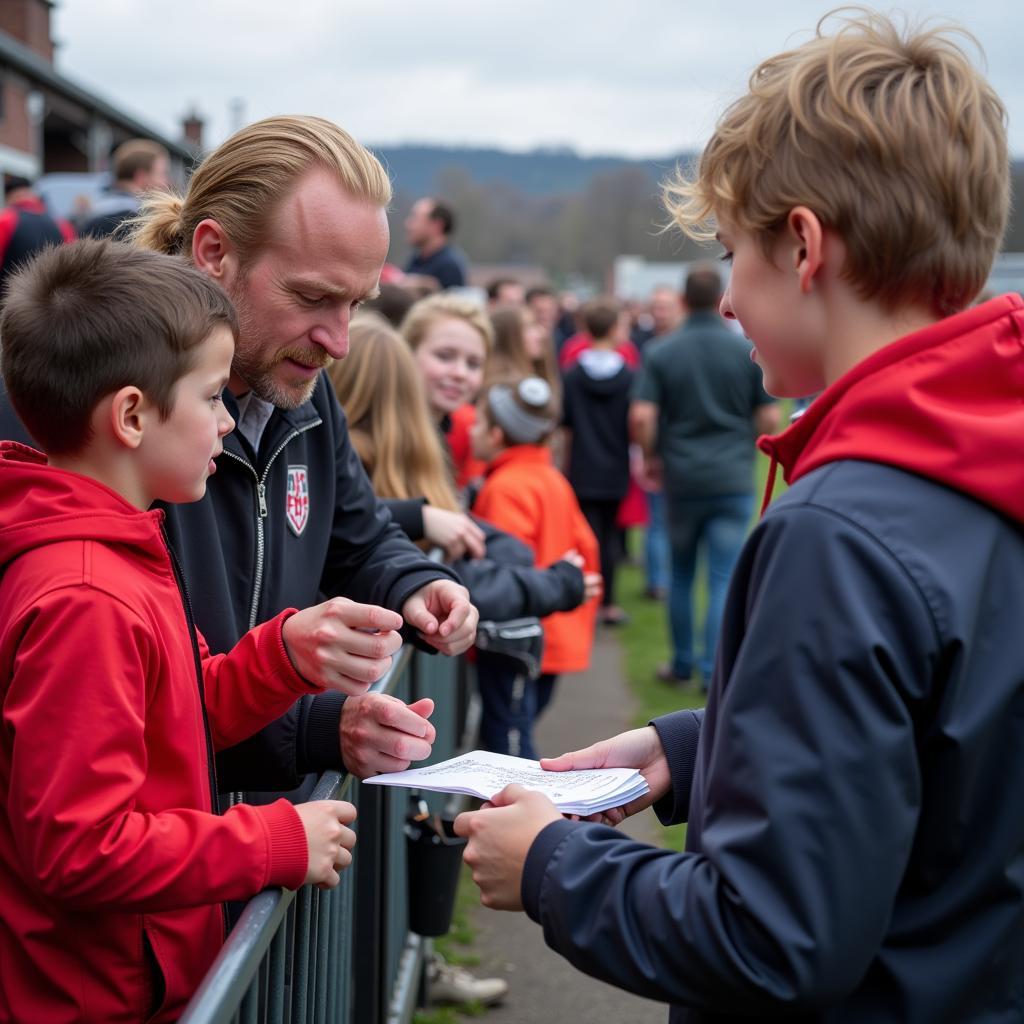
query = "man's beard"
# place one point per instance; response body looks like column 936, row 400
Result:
column 252, row 364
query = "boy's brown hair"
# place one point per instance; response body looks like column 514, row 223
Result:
column 82, row 320
column 600, row 315
column 890, row 136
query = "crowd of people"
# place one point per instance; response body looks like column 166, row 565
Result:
column 232, row 431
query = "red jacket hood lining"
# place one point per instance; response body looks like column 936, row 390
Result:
column 946, row 402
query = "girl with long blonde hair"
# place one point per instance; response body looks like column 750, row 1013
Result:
column 396, row 437
column 451, row 339
column 389, row 422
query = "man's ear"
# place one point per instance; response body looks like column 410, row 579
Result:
column 213, row 253
column 806, row 243
column 128, row 412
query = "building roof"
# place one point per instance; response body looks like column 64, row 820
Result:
column 20, row 58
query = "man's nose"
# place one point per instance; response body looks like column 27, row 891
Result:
column 332, row 338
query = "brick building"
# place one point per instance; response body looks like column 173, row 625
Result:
column 47, row 122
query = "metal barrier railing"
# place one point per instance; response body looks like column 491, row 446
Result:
column 342, row 955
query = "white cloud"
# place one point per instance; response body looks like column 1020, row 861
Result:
column 602, row 76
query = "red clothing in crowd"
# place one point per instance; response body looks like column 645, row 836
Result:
column 9, row 220
column 460, row 445
column 525, row 495
column 579, row 343
column 113, row 866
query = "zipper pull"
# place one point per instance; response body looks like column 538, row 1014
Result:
column 261, row 494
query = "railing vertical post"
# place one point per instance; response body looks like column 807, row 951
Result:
column 368, row 951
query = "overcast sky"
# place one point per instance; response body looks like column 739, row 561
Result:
column 646, row 78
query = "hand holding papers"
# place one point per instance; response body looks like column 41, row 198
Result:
column 483, row 774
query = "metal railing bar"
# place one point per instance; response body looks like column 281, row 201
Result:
column 275, row 994
column 300, row 962
column 403, row 998
column 323, row 949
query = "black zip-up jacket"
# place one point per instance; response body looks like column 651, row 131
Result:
column 504, row 584
column 855, row 847
column 282, row 528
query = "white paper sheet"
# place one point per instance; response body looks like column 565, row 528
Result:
column 483, row 774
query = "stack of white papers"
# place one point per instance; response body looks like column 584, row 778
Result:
column 482, row 774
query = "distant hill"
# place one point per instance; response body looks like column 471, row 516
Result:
column 553, row 209
column 416, row 170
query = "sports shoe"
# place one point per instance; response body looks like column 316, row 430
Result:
column 449, row 984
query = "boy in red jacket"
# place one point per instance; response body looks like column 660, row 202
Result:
column 525, row 495
column 113, row 861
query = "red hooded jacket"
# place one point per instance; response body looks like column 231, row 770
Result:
column 113, row 865
column 939, row 402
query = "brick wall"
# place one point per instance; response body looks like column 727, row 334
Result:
column 15, row 130
column 28, row 21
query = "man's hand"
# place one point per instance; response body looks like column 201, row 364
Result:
column 444, row 616
column 342, row 645
column 455, row 532
column 500, row 837
column 638, row 748
column 381, row 734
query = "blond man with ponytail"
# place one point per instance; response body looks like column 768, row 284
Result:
column 288, row 216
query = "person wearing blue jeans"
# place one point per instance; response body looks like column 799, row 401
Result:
column 656, row 546
column 718, row 524
column 696, row 413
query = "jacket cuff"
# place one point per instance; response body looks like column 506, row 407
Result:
column 537, row 860
column 571, row 578
column 320, row 734
column 276, row 661
column 679, row 733
column 408, row 514
column 289, row 851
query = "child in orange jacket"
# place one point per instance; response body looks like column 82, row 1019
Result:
column 525, row 495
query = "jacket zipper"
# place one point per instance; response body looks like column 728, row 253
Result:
column 235, row 797
column 211, row 766
column 261, row 512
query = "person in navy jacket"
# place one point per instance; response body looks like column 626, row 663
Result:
column 855, row 844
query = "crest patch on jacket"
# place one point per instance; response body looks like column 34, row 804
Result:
column 297, row 508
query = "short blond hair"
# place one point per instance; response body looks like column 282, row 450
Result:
column 893, row 139
column 241, row 183
column 427, row 312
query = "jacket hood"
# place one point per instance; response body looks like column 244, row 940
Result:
column 603, row 371
column 946, row 402
column 40, row 504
